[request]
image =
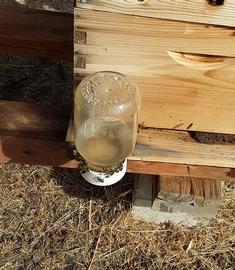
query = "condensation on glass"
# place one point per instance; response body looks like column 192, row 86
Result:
column 105, row 117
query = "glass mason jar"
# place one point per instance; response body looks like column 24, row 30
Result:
column 105, row 119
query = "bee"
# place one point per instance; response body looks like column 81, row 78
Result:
column 83, row 167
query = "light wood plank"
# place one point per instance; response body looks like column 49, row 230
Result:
column 36, row 33
column 192, row 11
column 195, row 92
column 146, row 36
column 175, row 96
column 173, row 146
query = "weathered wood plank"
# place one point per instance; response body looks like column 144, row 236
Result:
column 33, row 151
column 186, row 200
column 178, row 147
column 179, row 91
column 23, row 150
column 192, row 11
column 181, row 188
column 36, row 33
column 39, row 140
column 171, row 169
column 29, row 120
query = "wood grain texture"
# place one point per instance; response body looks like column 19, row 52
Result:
column 158, row 145
column 187, row 200
column 192, row 11
column 178, row 147
column 29, row 120
column 33, row 151
column 14, row 149
column 35, row 138
column 174, row 95
column 142, row 36
column 36, row 33
column 171, row 169
column 181, row 188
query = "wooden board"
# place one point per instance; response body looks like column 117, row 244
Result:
column 110, row 34
column 35, row 151
column 36, row 33
column 157, row 152
column 173, row 169
column 29, row 120
column 178, row 147
column 158, row 145
column 181, row 188
column 186, row 91
column 186, row 200
column 191, row 11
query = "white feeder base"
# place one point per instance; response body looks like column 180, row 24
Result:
column 103, row 179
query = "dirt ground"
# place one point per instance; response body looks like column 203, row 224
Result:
column 51, row 219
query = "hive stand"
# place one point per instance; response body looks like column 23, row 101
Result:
column 183, row 200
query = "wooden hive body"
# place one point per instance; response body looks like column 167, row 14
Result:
column 182, row 56
column 185, row 71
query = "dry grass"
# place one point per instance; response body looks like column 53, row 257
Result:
column 51, row 219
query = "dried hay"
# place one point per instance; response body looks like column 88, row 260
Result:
column 51, row 219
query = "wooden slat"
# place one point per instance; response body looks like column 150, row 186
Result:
column 178, row 147
column 39, row 141
column 171, row 169
column 174, row 95
column 191, row 11
column 53, row 153
column 34, row 151
column 36, row 33
column 29, row 120
column 110, row 34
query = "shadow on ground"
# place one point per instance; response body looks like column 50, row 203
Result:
column 75, row 186
column 37, row 81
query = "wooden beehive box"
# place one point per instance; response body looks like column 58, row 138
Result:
column 181, row 54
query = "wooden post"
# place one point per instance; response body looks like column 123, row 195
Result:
column 183, row 200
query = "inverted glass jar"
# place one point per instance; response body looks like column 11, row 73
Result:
column 106, row 119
